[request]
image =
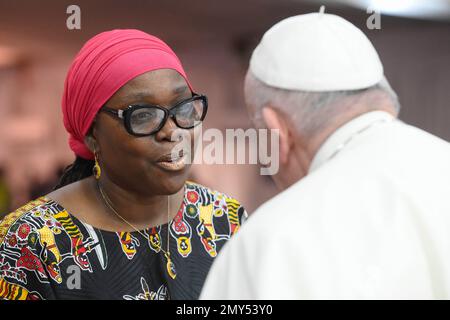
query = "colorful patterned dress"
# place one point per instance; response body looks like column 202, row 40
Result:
column 47, row 253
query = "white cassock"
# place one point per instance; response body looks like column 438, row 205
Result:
column 371, row 220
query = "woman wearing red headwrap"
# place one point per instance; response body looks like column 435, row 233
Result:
column 123, row 223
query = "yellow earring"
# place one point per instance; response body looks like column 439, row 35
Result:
column 97, row 171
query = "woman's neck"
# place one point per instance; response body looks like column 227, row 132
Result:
column 141, row 211
column 83, row 200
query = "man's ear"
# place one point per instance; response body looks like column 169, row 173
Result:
column 275, row 120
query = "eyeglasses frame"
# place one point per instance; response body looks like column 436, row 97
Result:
column 123, row 114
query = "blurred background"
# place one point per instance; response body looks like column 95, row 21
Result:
column 214, row 40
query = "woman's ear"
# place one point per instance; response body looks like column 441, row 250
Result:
column 90, row 140
column 275, row 120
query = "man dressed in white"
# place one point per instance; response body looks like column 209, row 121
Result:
column 365, row 211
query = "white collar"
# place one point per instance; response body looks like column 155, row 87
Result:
column 343, row 134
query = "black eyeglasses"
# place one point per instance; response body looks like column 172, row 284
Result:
column 145, row 120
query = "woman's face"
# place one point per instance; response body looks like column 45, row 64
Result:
column 143, row 164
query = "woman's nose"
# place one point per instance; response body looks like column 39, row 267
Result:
column 169, row 132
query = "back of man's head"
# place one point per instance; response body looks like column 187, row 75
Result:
column 309, row 75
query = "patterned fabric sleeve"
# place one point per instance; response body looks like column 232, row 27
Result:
column 23, row 274
column 237, row 214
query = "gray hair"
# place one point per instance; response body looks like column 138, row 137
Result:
column 310, row 111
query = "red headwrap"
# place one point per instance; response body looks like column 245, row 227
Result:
column 104, row 64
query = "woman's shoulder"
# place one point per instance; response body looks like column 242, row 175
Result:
column 24, row 219
column 29, row 252
column 207, row 195
column 210, row 200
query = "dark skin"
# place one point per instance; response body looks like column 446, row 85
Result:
column 138, row 188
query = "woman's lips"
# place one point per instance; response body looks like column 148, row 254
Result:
column 170, row 163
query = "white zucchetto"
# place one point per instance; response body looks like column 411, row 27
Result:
column 316, row 52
